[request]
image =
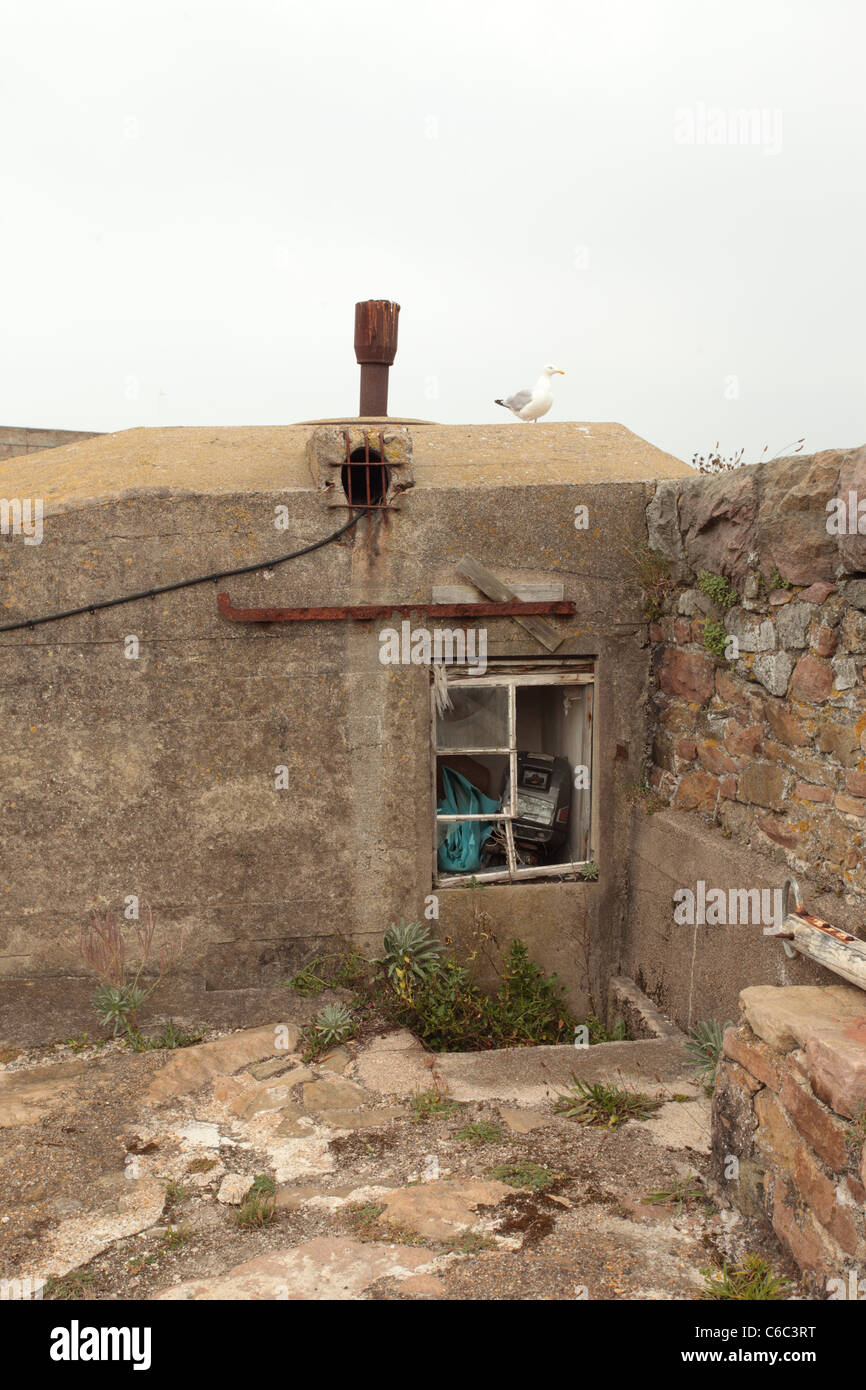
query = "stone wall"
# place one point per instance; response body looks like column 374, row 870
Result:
column 16, row 441
column 770, row 745
column 789, row 1125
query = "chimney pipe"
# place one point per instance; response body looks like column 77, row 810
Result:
column 375, row 350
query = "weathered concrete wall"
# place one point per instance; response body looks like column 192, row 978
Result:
column 14, row 442
column 792, row 1079
column 695, row 970
column 155, row 776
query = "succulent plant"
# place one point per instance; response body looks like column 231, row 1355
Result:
column 704, row 1047
column 411, row 954
column 118, row 1004
column 333, row 1024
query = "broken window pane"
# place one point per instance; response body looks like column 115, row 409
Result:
column 477, row 718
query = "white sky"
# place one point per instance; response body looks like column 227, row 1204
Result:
column 194, row 193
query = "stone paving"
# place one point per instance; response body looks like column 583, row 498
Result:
column 123, row 1173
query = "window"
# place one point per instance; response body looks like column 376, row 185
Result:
column 512, row 752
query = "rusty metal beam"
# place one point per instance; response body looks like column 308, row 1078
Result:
column 366, row 612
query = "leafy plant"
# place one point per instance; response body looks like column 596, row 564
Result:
column 523, row 1173
column 177, row 1236
column 118, row 1005
column 445, row 1011
column 470, row 1243
column 588, row 872
column 362, row 1215
column 751, row 1279
column 528, row 1003
column 344, row 969
column 599, row 1034
column 603, row 1105
column 264, row 1185
column 103, row 946
column 681, row 1194
column 332, row 1025
column 482, row 1132
column 423, row 1104
column 704, row 1047
column 718, row 588
column 652, row 575
column 175, row 1193
column 309, row 980
column 77, row 1284
column 715, row 637
column 412, row 956
column 169, row 1036
column 777, row 582
column 84, row 1040
column 257, row 1209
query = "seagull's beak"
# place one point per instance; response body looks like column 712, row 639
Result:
column 559, row 372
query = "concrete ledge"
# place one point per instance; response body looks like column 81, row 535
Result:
column 640, row 1015
column 530, row 1075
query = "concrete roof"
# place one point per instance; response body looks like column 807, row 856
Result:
column 214, row 460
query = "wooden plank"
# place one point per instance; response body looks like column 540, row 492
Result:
column 527, row 593
column 488, row 583
column 845, row 958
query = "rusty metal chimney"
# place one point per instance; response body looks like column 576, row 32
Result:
column 375, row 350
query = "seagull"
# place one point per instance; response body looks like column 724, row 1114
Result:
column 531, row 405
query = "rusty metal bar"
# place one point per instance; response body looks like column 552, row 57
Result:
column 366, row 612
column 375, row 350
column 353, row 503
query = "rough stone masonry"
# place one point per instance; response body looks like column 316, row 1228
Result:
column 771, row 745
column 789, row 1139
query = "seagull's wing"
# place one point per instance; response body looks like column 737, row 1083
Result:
column 518, row 400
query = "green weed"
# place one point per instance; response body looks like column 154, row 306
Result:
column 603, row 1105
column 482, row 1132
column 718, row 588
column 752, row 1279
column 523, row 1173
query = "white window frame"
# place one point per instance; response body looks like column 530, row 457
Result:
column 512, row 678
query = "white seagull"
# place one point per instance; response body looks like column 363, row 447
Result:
column 531, row 405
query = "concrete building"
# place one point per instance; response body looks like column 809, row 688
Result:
column 270, row 786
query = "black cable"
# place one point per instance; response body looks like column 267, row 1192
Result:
column 181, row 583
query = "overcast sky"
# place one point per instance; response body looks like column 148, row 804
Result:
column 194, row 193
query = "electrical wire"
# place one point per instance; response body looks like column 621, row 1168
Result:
column 180, row 583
